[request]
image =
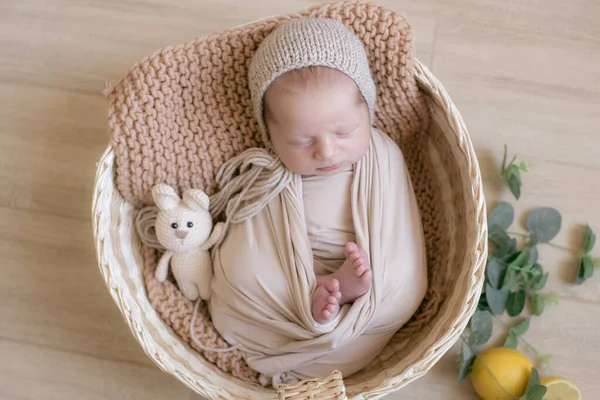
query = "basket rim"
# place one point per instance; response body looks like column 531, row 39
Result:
column 478, row 253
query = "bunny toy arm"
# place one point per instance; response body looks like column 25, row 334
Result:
column 163, row 266
column 215, row 236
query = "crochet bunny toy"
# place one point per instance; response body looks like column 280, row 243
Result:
column 183, row 227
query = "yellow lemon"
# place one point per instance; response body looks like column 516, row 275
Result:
column 510, row 368
column 561, row 389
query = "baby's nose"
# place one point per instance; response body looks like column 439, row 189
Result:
column 181, row 234
column 326, row 150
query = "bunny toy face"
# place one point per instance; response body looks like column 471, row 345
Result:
column 182, row 224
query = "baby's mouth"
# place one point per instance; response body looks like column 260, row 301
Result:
column 330, row 168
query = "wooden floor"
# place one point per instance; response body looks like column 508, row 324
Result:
column 525, row 73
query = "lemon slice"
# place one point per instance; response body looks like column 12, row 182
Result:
column 561, row 389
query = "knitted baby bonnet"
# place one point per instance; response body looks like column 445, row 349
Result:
column 249, row 181
column 308, row 42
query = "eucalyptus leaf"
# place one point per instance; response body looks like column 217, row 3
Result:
column 528, row 273
column 514, row 183
column 579, row 280
column 589, row 267
column 510, row 279
column 512, row 246
column 586, row 269
column 496, row 299
column 533, row 255
column 537, row 392
column 540, row 283
column 589, row 239
column 481, row 325
column 521, row 328
column 500, row 253
column 513, row 257
column 534, row 390
column 503, row 215
column 513, row 170
column 498, row 236
column 483, row 305
column 536, row 274
column 511, row 341
column 534, row 379
column 515, row 303
column 537, row 303
column 544, row 222
column 528, row 268
column 522, row 258
column 537, row 270
column 495, row 271
column 467, row 357
column 507, row 251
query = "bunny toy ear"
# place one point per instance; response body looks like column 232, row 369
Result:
column 196, row 199
column 165, row 197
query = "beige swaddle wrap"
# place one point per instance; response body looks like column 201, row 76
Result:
column 264, row 270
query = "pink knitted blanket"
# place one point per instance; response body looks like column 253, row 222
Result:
column 180, row 113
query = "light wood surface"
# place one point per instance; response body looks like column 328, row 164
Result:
column 525, row 73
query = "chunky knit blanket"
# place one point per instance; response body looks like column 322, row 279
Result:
column 179, row 114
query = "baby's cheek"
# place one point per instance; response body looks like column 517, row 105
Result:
column 295, row 161
column 361, row 147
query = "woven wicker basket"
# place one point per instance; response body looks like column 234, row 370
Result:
column 456, row 230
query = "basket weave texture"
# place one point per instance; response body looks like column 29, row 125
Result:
column 182, row 112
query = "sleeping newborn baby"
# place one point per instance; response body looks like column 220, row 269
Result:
column 319, row 127
column 324, row 257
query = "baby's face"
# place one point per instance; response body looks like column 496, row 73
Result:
column 320, row 129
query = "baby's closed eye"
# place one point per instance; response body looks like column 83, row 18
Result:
column 346, row 133
column 301, row 143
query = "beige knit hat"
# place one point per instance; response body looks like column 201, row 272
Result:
column 308, row 42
